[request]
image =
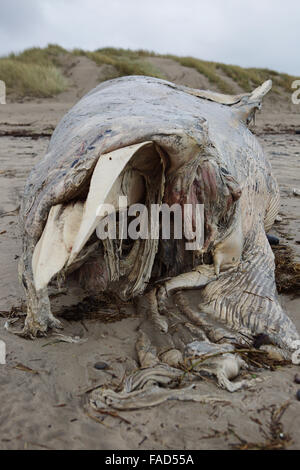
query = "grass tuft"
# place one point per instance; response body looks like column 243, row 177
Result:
column 26, row 79
column 125, row 61
column 41, row 56
column 34, row 72
column 208, row 69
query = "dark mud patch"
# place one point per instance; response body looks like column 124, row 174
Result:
column 103, row 308
column 26, row 133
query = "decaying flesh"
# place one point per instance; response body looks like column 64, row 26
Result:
column 156, row 142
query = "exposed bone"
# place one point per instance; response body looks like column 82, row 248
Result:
column 201, row 276
column 219, row 362
column 102, row 191
column 235, row 100
column 53, row 249
column 248, row 105
column 259, row 92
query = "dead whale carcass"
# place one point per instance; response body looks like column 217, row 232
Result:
column 155, row 142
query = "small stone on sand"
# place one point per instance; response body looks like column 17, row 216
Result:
column 273, row 240
column 101, row 365
column 297, row 379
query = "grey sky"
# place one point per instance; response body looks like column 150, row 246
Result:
column 261, row 33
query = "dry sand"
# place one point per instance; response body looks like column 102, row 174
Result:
column 45, row 406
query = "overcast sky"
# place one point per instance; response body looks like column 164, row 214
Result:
column 261, row 33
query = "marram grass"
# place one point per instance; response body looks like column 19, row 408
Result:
column 38, row 72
